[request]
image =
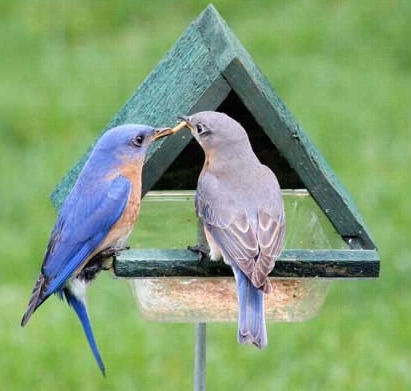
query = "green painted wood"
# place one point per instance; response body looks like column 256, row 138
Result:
column 204, row 66
column 290, row 264
column 167, row 149
column 186, row 80
column 304, row 158
column 270, row 112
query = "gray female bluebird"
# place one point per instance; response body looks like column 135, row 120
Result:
column 239, row 202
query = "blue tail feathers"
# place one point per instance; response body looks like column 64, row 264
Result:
column 251, row 321
column 81, row 311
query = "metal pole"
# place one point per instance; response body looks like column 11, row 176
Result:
column 200, row 357
column 200, row 334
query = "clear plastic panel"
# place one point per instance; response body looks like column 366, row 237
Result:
column 168, row 220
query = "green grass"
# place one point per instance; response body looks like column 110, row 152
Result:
column 343, row 68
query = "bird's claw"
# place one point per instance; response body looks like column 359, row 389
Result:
column 112, row 252
column 100, row 261
column 201, row 250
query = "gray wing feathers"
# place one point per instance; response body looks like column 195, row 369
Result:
column 254, row 251
column 249, row 235
column 271, row 235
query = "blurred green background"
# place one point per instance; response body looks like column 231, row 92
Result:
column 343, row 69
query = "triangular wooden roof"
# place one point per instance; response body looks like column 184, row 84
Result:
column 209, row 69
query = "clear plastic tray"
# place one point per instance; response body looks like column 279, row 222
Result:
column 167, row 220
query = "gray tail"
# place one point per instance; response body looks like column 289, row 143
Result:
column 251, row 321
column 36, row 299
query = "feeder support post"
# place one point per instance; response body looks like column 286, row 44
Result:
column 200, row 334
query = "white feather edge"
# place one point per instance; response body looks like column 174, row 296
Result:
column 79, row 289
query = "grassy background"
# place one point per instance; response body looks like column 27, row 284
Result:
column 342, row 67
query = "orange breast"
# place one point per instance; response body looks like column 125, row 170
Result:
column 122, row 228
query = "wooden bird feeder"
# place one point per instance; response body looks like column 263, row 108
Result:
column 209, row 69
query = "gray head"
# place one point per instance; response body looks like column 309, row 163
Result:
column 216, row 131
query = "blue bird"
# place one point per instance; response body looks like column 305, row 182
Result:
column 94, row 222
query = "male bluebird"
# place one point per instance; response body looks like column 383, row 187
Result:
column 94, row 222
column 240, row 205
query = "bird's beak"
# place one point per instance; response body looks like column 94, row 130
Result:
column 164, row 132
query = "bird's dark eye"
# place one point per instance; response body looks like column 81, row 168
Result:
column 138, row 141
column 200, row 128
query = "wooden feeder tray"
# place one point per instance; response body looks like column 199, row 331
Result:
column 171, row 285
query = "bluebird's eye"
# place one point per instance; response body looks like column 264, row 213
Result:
column 138, row 141
column 199, row 128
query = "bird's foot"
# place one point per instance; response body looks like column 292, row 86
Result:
column 100, row 261
column 90, row 271
column 201, row 250
column 111, row 252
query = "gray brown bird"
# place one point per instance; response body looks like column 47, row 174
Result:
column 239, row 202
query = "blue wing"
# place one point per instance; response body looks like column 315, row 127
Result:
column 85, row 220
column 88, row 214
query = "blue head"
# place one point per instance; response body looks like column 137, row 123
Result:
column 119, row 147
column 129, row 141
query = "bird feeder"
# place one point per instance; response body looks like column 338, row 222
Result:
column 209, row 69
